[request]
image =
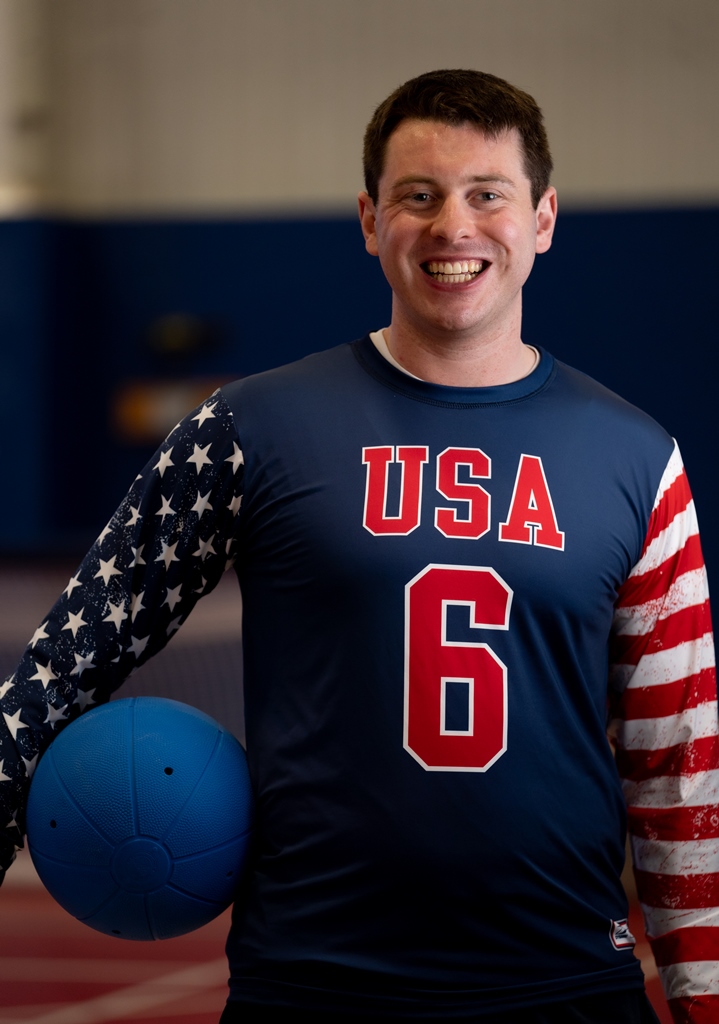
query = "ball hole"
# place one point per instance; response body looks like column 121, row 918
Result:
column 116, row 931
column 53, row 823
column 169, row 771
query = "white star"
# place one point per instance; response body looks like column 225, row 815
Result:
column 74, row 582
column 237, row 458
column 13, row 723
column 205, row 549
column 30, row 765
column 54, row 715
column 202, row 504
column 3, row 776
column 45, row 675
column 174, row 625
column 38, row 635
column 166, row 509
column 116, row 615
column 75, row 622
column 100, row 539
column 82, row 663
column 205, row 413
column 138, row 645
column 136, row 605
column 234, row 505
column 199, row 457
column 135, row 517
column 164, row 461
column 168, row 553
column 84, row 697
column 137, row 558
column 7, row 685
column 173, row 596
column 107, row 569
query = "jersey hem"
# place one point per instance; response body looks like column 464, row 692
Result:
column 432, row 1003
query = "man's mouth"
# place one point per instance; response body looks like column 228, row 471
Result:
column 458, row 272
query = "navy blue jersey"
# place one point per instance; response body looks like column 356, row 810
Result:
column 463, row 834
column 434, row 580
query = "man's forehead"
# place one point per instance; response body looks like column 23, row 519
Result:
column 418, row 146
column 416, row 124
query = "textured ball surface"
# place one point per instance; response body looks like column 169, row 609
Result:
column 139, row 818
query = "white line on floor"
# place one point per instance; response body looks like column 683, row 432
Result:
column 74, row 969
column 127, row 1002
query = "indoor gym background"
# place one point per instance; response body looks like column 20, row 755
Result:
column 177, row 183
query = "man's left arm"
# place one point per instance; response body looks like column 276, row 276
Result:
column 664, row 720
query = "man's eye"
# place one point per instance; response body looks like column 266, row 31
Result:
column 488, row 195
column 420, row 197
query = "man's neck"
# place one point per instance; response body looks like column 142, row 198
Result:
column 461, row 363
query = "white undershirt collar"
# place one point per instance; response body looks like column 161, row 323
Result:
column 379, row 340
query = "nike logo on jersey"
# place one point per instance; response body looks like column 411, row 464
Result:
column 530, row 519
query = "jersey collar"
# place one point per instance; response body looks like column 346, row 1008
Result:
column 374, row 363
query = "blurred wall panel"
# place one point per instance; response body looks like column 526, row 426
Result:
column 26, row 253
column 261, row 104
column 24, row 106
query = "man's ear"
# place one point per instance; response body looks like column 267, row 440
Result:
column 546, row 219
column 368, row 221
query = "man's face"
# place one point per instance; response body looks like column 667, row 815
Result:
column 455, row 229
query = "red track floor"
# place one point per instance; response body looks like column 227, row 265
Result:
column 54, row 970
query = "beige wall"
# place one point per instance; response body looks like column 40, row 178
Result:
column 256, row 105
column 23, row 105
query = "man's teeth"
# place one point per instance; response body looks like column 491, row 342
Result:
column 455, row 273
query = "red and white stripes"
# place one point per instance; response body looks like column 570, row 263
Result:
column 667, row 733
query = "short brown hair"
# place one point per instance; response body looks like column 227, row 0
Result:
column 461, row 97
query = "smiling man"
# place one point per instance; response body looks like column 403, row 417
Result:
column 456, row 229
column 455, row 554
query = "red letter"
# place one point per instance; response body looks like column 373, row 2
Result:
column 446, row 519
column 531, row 518
column 377, row 461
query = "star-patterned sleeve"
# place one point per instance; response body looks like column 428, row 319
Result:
column 169, row 543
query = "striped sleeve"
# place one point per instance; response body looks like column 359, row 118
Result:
column 664, row 720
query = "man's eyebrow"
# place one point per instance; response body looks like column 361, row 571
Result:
column 476, row 179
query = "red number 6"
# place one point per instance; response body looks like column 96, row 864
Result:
column 432, row 663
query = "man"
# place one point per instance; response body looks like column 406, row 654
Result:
column 444, row 539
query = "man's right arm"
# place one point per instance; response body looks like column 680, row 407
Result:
column 168, row 544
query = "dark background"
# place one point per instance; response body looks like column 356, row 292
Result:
column 628, row 297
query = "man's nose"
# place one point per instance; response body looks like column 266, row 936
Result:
column 454, row 220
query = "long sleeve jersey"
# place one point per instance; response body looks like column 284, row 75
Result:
column 437, row 584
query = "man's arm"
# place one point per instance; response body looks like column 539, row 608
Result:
column 665, row 723
column 168, row 544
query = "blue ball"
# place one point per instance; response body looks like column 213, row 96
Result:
column 139, row 818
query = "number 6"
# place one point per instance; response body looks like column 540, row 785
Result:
column 432, row 662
